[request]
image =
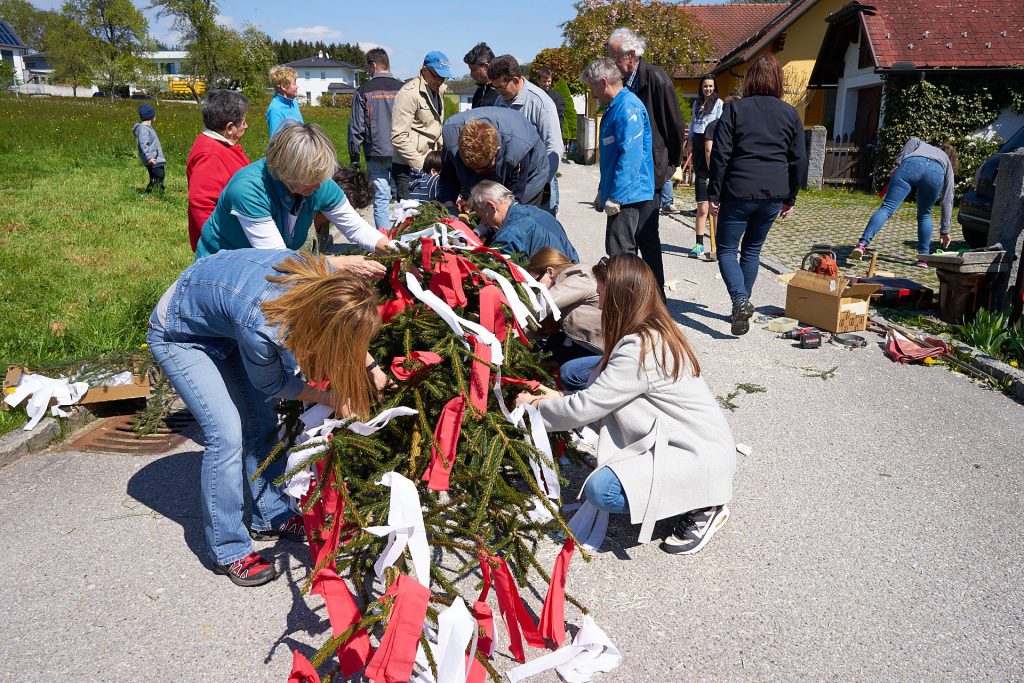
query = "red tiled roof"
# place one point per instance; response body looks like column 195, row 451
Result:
column 728, row 25
column 946, row 33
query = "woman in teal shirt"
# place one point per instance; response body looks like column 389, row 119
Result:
column 270, row 204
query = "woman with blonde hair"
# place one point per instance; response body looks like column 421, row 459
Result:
column 664, row 448
column 578, row 333
column 270, row 203
column 232, row 334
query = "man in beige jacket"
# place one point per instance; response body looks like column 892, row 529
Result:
column 416, row 121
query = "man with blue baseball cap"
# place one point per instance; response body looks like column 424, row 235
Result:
column 417, row 118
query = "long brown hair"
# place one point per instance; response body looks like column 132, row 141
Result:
column 631, row 304
column 548, row 257
column 327, row 320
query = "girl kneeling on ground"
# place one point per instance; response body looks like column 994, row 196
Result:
column 664, row 448
column 231, row 335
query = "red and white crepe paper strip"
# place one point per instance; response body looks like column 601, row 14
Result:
column 404, row 527
column 591, row 652
column 315, row 440
column 39, row 391
column 457, row 324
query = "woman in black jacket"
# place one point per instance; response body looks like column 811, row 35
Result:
column 758, row 162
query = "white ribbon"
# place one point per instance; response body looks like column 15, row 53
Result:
column 547, row 478
column 404, row 527
column 589, row 525
column 456, row 630
column 402, row 210
column 39, row 391
column 546, row 305
column 591, row 652
column 313, row 441
column 458, row 325
column 519, row 309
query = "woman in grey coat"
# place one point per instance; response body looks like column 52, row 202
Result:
column 665, row 449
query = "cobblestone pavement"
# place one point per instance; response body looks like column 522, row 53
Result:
column 838, row 220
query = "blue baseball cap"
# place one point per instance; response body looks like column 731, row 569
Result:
column 438, row 61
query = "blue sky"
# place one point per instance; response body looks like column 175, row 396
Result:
column 406, row 29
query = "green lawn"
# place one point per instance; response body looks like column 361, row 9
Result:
column 84, row 253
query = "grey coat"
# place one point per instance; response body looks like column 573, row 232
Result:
column 667, row 441
column 149, row 144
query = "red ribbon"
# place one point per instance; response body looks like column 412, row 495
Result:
column 491, row 315
column 394, row 659
column 471, row 237
column 530, row 384
column 446, row 282
column 516, row 275
column 427, row 253
column 482, row 611
column 514, row 612
column 403, row 297
column 552, row 617
column 480, row 376
column 343, row 612
column 422, row 359
column 446, row 434
column 302, row 670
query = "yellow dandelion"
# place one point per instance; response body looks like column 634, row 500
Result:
column 929, row 361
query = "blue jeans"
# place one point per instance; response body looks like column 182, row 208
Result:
column 239, row 425
column 575, row 373
column 552, row 207
column 928, row 177
column 604, row 491
column 738, row 262
column 384, row 189
column 667, row 194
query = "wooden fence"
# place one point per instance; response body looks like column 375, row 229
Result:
column 848, row 163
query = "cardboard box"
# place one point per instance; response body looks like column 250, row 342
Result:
column 139, row 388
column 831, row 304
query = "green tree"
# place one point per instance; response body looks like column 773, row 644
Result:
column 6, row 76
column 27, row 20
column 559, row 61
column 673, row 37
column 256, row 58
column 68, row 48
column 569, row 122
column 213, row 50
column 120, row 39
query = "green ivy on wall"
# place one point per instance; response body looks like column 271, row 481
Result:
column 945, row 108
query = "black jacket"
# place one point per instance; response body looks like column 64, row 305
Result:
column 656, row 90
column 484, row 96
column 522, row 164
column 758, row 151
column 369, row 127
column 559, row 101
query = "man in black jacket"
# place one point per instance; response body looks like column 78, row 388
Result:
column 369, row 129
column 655, row 89
column 478, row 59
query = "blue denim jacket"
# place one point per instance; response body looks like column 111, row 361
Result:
column 627, row 167
column 527, row 229
column 215, row 306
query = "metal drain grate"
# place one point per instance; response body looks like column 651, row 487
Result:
column 115, row 435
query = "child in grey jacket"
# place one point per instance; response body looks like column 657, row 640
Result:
column 150, row 152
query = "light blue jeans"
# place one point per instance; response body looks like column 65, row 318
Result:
column 604, row 491
column 667, row 194
column 928, row 177
column 239, row 426
column 383, row 189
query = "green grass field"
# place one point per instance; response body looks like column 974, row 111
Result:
column 84, row 253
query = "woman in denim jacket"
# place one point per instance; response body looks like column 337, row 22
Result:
column 231, row 335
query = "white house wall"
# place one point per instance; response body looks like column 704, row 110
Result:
column 853, row 80
column 313, row 86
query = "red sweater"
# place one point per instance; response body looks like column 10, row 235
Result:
column 211, row 163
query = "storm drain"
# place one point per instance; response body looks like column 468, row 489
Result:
column 115, row 435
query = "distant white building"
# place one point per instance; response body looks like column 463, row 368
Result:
column 168, row 62
column 13, row 51
column 466, row 97
column 321, row 75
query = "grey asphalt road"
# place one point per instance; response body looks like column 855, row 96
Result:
column 875, row 534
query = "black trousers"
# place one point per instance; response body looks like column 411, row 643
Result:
column 634, row 230
column 156, row 177
column 402, row 175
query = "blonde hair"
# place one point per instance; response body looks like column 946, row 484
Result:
column 301, row 154
column 548, row 257
column 632, row 305
column 280, row 75
column 327, row 320
column 478, row 144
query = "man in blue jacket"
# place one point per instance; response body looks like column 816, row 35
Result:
column 493, row 143
column 522, row 229
column 626, row 190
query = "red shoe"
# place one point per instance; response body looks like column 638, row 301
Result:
column 251, row 570
column 293, row 530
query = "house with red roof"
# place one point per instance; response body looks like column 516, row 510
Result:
column 865, row 41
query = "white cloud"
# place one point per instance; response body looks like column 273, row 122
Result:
column 225, row 20
column 312, row 34
column 366, row 47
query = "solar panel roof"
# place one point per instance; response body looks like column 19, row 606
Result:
column 7, row 36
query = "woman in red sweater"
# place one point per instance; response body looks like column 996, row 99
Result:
column 215, row 156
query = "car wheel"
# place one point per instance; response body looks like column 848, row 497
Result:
column 974, row 238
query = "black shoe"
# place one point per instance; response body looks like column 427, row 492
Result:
column 741, row 314
column 694, row 529
column 251, row 570
column 293, row 530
